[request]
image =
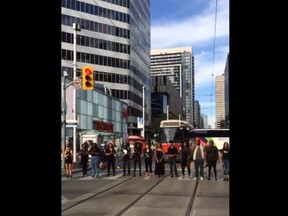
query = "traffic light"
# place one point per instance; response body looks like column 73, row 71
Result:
column 87, row 78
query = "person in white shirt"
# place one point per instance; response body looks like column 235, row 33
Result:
column 199, row 158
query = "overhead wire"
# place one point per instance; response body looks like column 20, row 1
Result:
column 213, row 54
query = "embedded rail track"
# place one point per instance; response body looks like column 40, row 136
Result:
column 137, row 194
column 142, row 196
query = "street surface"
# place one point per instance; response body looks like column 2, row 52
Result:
column 141, row 195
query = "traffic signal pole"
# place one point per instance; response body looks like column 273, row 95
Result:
column 76, row 27
column 64, row 118
column 65, row 86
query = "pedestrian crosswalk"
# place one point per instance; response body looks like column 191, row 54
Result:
column 64, row 199
column 119, row 174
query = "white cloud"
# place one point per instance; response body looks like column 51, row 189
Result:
column 210, row 46
column 196, row 30
column 205, row 71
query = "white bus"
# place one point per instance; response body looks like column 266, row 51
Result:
column 219, row 136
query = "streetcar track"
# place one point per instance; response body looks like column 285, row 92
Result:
column 113, row 187
column 132, row 203
column 140, row 197
column 189, row 209
column 96, row 194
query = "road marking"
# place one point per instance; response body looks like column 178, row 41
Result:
column 113, row 177
column 64, row 200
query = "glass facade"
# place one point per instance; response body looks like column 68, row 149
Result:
column 115, row 40
column 96, row 106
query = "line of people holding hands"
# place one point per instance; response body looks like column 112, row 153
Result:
column 105, row 158
column 190, row 153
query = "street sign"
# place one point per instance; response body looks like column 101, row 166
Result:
column 77, row 83
column 71, row 123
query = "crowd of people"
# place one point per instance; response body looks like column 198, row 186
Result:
column 103, row 157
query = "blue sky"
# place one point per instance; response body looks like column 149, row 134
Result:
column 184, row 23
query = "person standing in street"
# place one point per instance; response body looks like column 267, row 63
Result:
column 212, row 156
column 126, row 152
column 110, row 156
column 185, row 156
column 148, row 155
column 68, row 155
column 84, row 154
column 172, row 154
column 225, row 160
column 136, row 155
column 199, row 158
column 95, row 153
column 159, row 160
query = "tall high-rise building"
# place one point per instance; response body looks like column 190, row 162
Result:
column 220, row 100
column 114, row 38
column 178, row 65
column 205, row 120
column 226, row 77
column 197, row 114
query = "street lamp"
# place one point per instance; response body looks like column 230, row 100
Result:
column 76, row 27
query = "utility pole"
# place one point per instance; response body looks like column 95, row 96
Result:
column 168, row 112
column 65, row 86
column 144, row 111
column 64, row 117
column 76, row 27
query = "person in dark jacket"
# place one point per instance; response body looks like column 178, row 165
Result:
column 110, row 155
column 68, row 161
column 84, row 154
column 172, row 154
column 148, row 155
column 159, row 160
column 136, row 155
column 212, row 156
column 225, row 151
column 126, row 153
column 95, row 153
column 185, row 158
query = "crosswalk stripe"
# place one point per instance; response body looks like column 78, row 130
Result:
column 113, row 177
column 64, row 199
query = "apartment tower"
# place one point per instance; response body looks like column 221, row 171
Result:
column 220, row 100
column 178, row 65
